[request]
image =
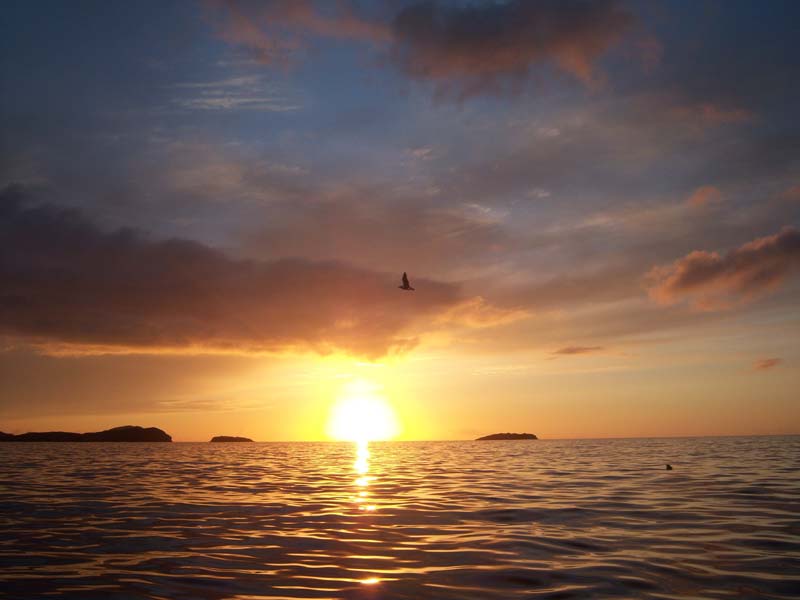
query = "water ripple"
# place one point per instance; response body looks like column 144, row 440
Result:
column 549, row 519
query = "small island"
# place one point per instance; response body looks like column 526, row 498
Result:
column 508, row 436
column 230, row 438
column 126, row 433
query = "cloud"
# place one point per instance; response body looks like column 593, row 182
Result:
column 707, row 280
column 706, row 195
column 478, row 313
column 63, row 281
column 708, row 113
column 398, row 231
column 250, row 92
column 792, row 194
column 273, row 30
column 479, row 47
column 765, row 364
column 466, row 48
column 571, row 350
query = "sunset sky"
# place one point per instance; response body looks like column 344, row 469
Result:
column 206, row 208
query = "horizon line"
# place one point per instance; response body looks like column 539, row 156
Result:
column 538, row 439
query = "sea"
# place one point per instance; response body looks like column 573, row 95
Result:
column 392, row 520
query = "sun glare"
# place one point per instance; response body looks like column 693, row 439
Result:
column 362, row 414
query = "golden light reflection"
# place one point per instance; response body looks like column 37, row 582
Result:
column 362, row 481
column 362, row 413
column 361, row 467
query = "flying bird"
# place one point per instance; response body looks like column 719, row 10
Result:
column 406, row 286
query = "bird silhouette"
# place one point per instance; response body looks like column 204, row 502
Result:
column 406, row 286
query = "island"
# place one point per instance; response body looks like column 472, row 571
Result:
column 508, row 436
column 230, row 438
column 126, row 433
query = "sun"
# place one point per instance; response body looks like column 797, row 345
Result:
column 362, row 414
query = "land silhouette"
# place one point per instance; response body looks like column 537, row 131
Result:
column 508, row 436
column 126, row 433
column 230, row 438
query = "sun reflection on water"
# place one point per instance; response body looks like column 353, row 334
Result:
column 361, row 467
column 362, row 492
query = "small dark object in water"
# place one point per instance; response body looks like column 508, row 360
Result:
column 669, row 467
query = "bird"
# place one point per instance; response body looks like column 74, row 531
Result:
column 669, row 468
column 406, row 286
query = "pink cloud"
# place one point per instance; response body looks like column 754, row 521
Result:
column 704, row 196
column 273, row 30
column 708, row 280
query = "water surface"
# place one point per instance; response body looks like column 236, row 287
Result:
column 551, row 519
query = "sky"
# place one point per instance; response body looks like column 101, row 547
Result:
column 206, row 208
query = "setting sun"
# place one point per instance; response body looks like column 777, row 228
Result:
column 362, row 413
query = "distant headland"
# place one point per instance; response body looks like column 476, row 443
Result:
column 508, row 436
column 126, row 433
column 230, row 438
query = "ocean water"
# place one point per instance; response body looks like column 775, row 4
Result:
column 549, row 519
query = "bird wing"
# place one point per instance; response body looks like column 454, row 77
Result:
column 405, row 280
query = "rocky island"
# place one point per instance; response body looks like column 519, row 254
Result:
column 126, row 433
column 508, row 436
column 230, row 438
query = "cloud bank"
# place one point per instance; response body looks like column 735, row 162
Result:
column 708, row 280
column 65, row 281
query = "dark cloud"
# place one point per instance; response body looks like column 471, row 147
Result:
column 708, row 280
column 569, row 350
column 764, row 364
column 475, row 47
column 65, row 281
column 467, row 48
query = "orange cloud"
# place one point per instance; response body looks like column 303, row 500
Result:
column 703, row 196
column 476, row 312
column 572, row 350
column 764, row 364
column 708, row 280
